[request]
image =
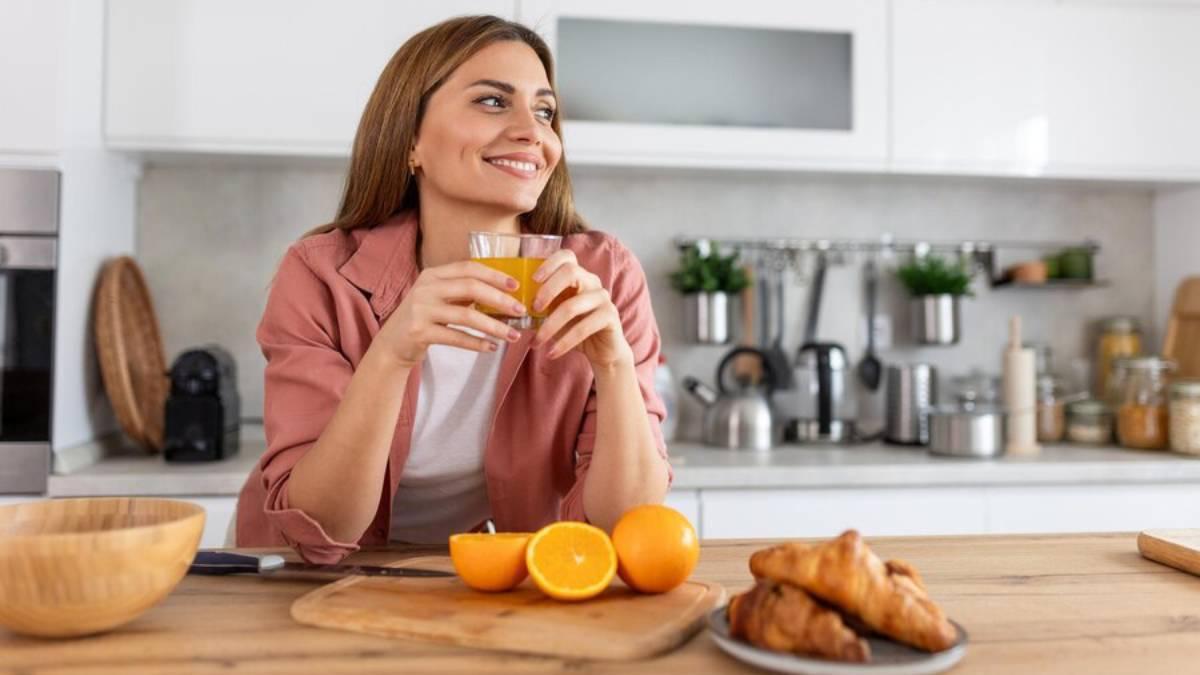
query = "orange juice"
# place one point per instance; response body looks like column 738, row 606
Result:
column 522, row 270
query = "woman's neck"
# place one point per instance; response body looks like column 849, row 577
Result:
column 445, row 226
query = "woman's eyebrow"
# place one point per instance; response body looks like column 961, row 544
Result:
column 508, row 88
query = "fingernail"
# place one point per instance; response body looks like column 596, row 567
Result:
column 512, row 284
column 553, row 353
column 518, row 309
column 539, row 275
column 492, row 346
column 513, row 335
column 539, row 305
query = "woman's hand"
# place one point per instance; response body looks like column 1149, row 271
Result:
column 448, row 295
column 584, row 317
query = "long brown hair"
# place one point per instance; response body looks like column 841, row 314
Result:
column 380, row 182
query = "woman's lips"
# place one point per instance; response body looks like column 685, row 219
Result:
column 514, row 167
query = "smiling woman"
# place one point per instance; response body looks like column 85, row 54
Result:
column 395, row 409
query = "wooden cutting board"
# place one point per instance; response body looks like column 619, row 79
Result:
column 1175, row 548
column 618, row 625
column 1182, row 343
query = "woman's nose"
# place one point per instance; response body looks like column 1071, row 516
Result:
column 525, row 128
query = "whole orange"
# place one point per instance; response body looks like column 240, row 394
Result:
column 657, row 548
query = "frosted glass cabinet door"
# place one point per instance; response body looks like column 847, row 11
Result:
column 757, row 84
column 274, row 76
column 1037, row 87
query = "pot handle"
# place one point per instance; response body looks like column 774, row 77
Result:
column 768, row 373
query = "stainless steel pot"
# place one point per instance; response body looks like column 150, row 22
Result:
column 936, row 319
column 970, row 432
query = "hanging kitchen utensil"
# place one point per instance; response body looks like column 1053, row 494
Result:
column 1182, row 343
column 776, row 357
column 870, row 370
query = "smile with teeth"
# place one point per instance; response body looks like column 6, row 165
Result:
column 525, row 167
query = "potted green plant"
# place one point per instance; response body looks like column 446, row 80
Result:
column 710, row 283
column 937, row 287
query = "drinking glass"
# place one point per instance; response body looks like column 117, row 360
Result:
column 518, row 256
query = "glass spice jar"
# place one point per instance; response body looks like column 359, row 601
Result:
column 1184, row 416
column 1120, row 337
column 1142, row 415
column 1089, row 422
column 1051, row 410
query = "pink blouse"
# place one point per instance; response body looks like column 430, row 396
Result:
column 331, row 295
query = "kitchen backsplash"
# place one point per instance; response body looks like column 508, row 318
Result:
column 209, row 239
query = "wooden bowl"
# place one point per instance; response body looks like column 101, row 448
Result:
column 78, row 566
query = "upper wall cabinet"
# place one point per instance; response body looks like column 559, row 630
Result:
column 755, row 83
column 267, row 76
column 30, row 44
column 1038, row 87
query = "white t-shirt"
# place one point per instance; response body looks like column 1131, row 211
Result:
column 442, row 488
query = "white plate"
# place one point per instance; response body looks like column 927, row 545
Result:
column 887, row 657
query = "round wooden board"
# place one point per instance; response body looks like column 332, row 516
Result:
column 130, row 351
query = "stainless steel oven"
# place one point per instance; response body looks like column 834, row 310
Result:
column 29, row 202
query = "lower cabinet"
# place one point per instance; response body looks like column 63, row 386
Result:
column 773, row 514
column 218, row 519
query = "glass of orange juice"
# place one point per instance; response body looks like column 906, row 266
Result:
column 518, row 256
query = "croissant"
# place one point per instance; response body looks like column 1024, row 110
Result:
column 889, row 598
column 782, row 617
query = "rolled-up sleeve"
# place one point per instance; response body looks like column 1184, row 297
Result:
column 306, row 376
column 631, row 296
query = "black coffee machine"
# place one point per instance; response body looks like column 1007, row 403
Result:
column 203, row 408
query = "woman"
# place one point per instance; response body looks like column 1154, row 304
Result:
column 387, row 422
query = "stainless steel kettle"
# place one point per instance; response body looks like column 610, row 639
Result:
column 741, row 419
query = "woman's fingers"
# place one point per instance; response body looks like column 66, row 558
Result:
column 556, row 260
column 474, row 290
column 441, row 335
column 564, row 278
column 575, row 307
column 471, row 269
column 473, row 318
column 583, row 329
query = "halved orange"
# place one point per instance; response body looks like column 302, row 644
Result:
column 571, row 561
column 490, row 562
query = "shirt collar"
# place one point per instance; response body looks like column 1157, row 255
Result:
column 385, row 263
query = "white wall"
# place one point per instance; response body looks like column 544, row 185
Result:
column 1176, row 248
column 99, row 196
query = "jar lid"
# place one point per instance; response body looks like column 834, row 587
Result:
column 1087, row 407
column 1186, row 387
column 1120, row 324
column 1148, row 363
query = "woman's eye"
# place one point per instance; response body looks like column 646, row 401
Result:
column 546, row 113
column 491, row 101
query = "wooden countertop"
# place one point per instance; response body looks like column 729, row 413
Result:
column 1045, row 604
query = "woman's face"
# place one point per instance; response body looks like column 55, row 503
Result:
column 486, row 137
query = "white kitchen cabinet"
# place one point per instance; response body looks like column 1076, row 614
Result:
column 31, row 44
column 1037, row 87
column 752, row 84
column 268, row 76
column 687, row 502
column 775, row 514
column 1091, row 508
column 218, row 517
column 780, row 513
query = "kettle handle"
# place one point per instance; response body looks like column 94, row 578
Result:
column 768, row 373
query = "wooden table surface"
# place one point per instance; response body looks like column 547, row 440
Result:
column 1044, row 604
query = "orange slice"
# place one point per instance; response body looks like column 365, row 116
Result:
column 490, row 562
column 571, row 561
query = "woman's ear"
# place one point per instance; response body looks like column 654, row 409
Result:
column 413, row 161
